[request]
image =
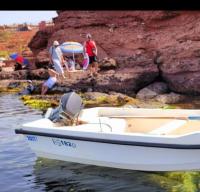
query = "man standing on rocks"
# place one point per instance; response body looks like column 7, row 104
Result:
column 91, row 49
column 56, row 58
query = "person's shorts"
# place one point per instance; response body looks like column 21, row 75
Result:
column 92, row 59
column 50, row 82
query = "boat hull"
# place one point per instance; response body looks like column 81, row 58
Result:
column 123, row 156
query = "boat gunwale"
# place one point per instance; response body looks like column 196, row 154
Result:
column 110, row 141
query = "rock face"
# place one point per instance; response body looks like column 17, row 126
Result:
column 107, row 63
column 145, row 45
column 42, row 59
column 38, row 74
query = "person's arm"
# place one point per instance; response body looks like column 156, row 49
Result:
column 66, row 65
column 61, row 56
column 52, row 72
column 50, row 54
column 50, row 58
column 95, row 49
column 63, row 60
column 84, row 47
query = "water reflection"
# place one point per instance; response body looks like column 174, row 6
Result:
column 63, row 176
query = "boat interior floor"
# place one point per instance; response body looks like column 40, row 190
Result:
column 161, row 126
column 157, row 126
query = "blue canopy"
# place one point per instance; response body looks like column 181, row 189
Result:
column 71, row 47
column 14, row 56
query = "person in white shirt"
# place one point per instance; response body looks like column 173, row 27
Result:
column 50, row 82
column 56, row 58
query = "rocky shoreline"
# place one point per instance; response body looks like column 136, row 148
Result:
column 147, row 46
column 146, row 56
column 156, row 95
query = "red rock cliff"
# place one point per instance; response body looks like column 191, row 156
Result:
column 147, row 45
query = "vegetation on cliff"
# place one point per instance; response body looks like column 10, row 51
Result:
column 14, row 41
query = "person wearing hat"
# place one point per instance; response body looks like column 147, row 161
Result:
column 91, row 50
column 56, row 58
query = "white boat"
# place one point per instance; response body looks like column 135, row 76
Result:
column 126, row 138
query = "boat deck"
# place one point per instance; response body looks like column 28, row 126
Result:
column 155, row 126
column 162, row 126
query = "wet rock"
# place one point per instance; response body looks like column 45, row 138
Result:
column 170, row 98
column 13, row 85
column 152, row 90
column 103, row 99
column 58, row 89
column 94, row 95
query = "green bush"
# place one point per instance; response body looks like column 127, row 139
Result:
column 4, row 54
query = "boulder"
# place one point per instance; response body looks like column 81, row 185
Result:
column 38, row 74
column 152, row 90
column 94, row 95
column 158, row 87
column 170, row 98
column 107, row 64
column 146, row 93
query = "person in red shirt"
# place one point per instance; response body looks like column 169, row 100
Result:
column 19, row 62
column 91, row 49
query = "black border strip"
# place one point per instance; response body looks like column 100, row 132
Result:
column 108, row 141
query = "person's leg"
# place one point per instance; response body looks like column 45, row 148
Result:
column 96, row 67
column 90, row 69
column 92, row 66
column 59, row 68
column 67, row 71
column 18, row 66
column 44, row 90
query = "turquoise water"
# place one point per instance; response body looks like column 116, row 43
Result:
column 22, row 171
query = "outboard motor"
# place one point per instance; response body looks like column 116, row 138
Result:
column 70, row 106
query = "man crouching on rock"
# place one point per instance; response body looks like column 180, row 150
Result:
column 50, row 82
column 56, row 58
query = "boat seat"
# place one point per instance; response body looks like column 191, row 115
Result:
column 167, row 128
column 109, row 124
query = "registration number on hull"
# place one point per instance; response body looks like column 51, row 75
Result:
column 60, row 142
column 31, row 138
